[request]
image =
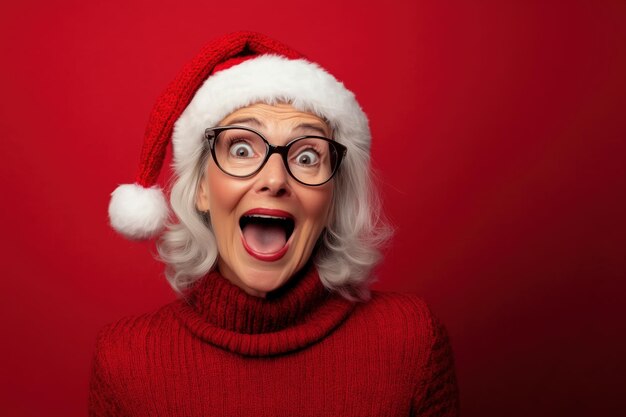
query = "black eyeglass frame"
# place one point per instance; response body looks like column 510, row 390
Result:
column 211, row 133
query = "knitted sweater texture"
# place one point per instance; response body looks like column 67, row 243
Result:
column 302, row 351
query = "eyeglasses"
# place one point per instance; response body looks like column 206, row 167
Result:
column 242, row 152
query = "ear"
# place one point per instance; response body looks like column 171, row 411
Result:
column 202, row 195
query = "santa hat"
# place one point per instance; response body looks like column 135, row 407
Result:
column 229, row 73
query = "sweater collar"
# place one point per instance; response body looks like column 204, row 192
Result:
column 298, row 314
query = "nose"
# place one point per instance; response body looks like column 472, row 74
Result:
column 273, row 177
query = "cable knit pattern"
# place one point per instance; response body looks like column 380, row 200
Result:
column 300, row 352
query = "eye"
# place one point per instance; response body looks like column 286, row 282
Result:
column 307, row 157
column 241, row 150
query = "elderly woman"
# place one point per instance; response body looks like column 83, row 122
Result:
column 274, row 233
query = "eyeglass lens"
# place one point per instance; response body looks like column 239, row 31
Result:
column 241, row 153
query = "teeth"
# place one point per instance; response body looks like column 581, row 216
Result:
column 287, row 223
column 264, row 216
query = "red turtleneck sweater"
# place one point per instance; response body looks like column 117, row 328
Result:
column 301, row 351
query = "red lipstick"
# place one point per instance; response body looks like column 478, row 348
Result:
column 266, row 257
column 268, row 212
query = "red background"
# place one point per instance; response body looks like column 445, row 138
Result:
column 499, row 135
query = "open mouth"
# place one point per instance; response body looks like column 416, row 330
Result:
column 266, row 233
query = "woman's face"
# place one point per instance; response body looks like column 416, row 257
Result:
column 256, row 251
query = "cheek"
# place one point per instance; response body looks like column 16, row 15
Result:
column 224, row 198
column 317, row 204
column 224, row 193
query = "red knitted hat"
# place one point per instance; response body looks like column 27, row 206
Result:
column 229, row 73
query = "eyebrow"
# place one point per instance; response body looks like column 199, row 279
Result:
column 246, row 120
column 257, row 123
column 317, row 128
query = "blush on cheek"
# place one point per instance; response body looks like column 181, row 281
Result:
column 320, row 205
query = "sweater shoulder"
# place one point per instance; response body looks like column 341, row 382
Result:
column 405, row 325
column 139, row 325
column 118, row 342
column 400, row 320
column 401, row 308
column 125, row 357
column 398, row 299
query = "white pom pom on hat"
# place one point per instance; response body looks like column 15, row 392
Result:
column 231, row 72
column 137, row 212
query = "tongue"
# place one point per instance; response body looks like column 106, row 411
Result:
column 264, row 238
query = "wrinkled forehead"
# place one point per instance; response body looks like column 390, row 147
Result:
column 280, row 117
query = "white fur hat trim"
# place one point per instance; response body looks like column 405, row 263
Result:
column 269, row 79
